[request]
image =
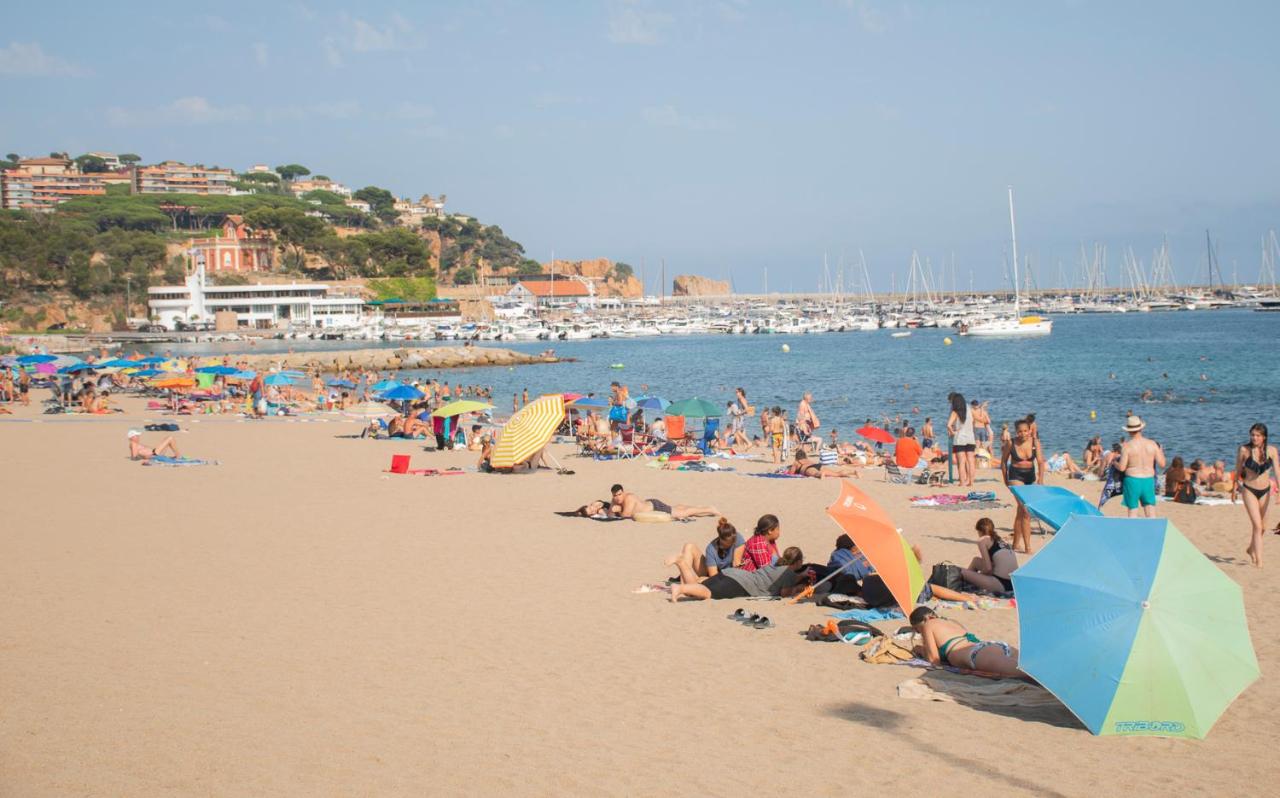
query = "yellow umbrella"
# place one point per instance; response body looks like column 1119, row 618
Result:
column 461, row 406
column 528, row 431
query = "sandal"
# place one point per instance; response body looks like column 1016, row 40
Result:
column 739, row 615
column 761, row 622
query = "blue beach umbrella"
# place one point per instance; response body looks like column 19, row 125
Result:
column 1133, row 628
column 341, row 384
column 245, row 375
column 74, row 368
column 224, row 371
column 154, row 360
column 590, row 401
column 402, row 393
column 33, row 360
column 147, row 372
column 383, row 385
column 119, row 363
column 652, row 403
column 278, row 379
column 1052, row 504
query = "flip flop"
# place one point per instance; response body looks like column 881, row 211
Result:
column 739, row 615
column 761, row 622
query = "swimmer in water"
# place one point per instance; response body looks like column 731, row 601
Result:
column 1148, row 395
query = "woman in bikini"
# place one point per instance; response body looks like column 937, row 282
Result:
column 946, row 642
column 992, row 568
column 1021, row 463
column 1255, row 468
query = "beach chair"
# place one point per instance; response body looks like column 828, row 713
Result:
column 632, row 444
column 709, row 428
column 676, row 432
column 895, row 475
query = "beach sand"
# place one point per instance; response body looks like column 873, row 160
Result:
column 295, row 621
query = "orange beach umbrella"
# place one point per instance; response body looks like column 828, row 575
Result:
column 884, row 547
column 528, row 431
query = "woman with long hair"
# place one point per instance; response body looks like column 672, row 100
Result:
column 1255, row 468
column 724, row 551
column 963, row 442
column 1022, row 463
column 992, row 568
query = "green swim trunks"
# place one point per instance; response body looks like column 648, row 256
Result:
column 1139, row 491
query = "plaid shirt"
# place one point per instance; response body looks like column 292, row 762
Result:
column 759, row 552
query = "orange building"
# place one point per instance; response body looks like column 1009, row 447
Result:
column 41, row 183
column 173, row 177
column 236, row 248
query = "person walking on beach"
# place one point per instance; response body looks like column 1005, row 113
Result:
column 1139, row 458
column 981, row 425
column 777, row 433
column 926, row 433
column 806, row 420
column 1021, row 463
column 1255, row 468
column 960, row 427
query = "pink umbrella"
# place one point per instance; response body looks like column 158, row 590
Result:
column 46, row 368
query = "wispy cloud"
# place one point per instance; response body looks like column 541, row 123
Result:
column 216, row 23
column 261, row 54
column 28, row 59
column 633, row 22
column 670, row 116
column 362, row 36
column 196, row 110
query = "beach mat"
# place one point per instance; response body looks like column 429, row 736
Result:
column 1015, row 697
column 159, row 460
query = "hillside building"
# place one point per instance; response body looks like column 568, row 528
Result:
column 173, row 177
column 235, row 248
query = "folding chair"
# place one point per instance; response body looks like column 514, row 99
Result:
column 709, row 428
column 676, row 432
column 895, row 475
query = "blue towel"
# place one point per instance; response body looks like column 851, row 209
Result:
column 868, row 616
column 177, row 461
column 778, row 476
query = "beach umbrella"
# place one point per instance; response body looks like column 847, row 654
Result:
column 278, row 378
column 34, row 360
column 144, row 373
column 401, row 393
column 695, row 408
column 174, row 382
column 875, row 434
column 461, row 406
column 652, row 403
column 154, row 360
column 341, row 384
column 590, row 401
column 1052, row 504
column 244, row 375
column 1133, row 628
column 570, row 398
column 74, row 368
column 46, row 368
column 224, row 371
column 383, row 385
column 119, row 363
column 884, row 547
column 369, row 410
column 528, row 431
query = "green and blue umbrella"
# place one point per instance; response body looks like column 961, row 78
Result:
column 1133, row 628
column 278, row 379
column 1052, row 504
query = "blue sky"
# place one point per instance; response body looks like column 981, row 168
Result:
column 725, row 137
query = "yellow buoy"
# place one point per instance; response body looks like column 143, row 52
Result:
column 947, row 341
column 786, row 347
column 1093, row 415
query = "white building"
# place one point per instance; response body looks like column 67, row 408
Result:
column 255, row 306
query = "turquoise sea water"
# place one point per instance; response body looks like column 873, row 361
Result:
column 855, row 376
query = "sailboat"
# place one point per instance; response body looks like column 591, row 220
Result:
column 1017, row 324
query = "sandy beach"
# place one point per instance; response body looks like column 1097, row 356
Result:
column 296, row 621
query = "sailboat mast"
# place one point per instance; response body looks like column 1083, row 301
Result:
column 1013, row 231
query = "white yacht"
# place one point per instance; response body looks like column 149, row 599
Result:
column 1017, row 324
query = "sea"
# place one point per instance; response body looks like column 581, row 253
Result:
column 1211, row 375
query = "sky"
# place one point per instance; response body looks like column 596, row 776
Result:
column 727, row 138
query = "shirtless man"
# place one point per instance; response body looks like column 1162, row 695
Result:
column 627, row 504
column 807, row 420
column 137, row 451
column 1139, row 457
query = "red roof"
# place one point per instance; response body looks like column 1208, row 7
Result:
column 555, row 288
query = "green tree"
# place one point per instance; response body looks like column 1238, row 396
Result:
column 129, row 158
column 260, row 177
column 13, row 156
column 465, row 276
column 323, row 197
column 91, row 163
column 623, row 271
column 292, row 171
column 381, row 202
column 528, row 266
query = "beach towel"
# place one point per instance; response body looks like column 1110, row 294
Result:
column 1112, row 486
column 771, row 475
column 1020, row 697
column 885, row 651
column 160, row 460
column 869, row 616
column 1202, row 501
column 976, row 500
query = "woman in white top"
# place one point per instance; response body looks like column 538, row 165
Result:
column 963, row 443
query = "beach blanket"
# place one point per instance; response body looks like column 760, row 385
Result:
column 869, row 616
column 1020, row 697
column 1113, row 485
column 974, row 500
column 1204, row 501
column 160, row 460
column 771, row 475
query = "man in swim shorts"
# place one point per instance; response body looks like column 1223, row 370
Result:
column 1139, row 457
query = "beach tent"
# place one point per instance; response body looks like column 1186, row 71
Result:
column 884, row 547
column 528, row 431
column 1052, row 504
column 1133, row 628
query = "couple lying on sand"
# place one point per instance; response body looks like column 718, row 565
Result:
column 624, row 504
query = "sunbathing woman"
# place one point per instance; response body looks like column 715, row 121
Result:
column 722, row 553
column 783, row 579
column 626, row 505
column 594, row 509
column 947, row 643
column 1255, row 467
column 995, row 563
column 137, row 451
column 804, row 467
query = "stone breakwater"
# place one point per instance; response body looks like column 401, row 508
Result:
column 441, row 357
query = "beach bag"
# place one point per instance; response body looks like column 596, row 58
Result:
column 875, row 593
column 884, row 651
column 618, row 413
column 946, row 574
column 1184, row 493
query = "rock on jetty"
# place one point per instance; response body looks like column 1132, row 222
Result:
column 440, row 357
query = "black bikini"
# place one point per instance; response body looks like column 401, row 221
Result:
column 1026, row 476
column 1260, row 469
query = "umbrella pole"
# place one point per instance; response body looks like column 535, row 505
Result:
column 808, row 592
column 951, row 460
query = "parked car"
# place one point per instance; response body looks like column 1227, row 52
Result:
column 154, row 327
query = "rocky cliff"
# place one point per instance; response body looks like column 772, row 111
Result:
column 601, row 270
column 693, row 285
